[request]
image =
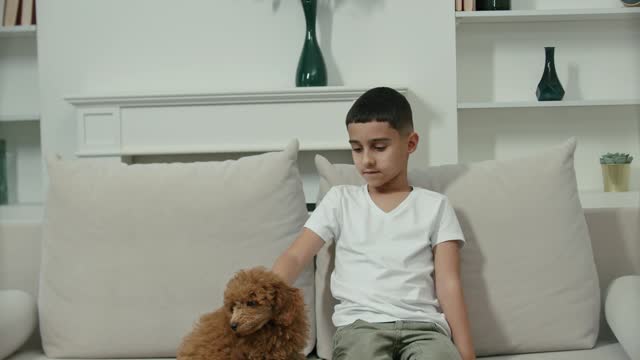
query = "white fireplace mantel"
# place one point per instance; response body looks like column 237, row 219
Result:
column 144, row 124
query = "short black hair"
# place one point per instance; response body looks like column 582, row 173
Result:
column 382, row 104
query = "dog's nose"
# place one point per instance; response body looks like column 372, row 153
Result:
column 234, row 326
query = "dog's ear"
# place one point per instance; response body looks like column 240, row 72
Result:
column 287, row 304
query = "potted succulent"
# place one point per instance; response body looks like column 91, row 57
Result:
column 615, row 171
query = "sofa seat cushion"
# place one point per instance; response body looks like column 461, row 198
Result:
column 528, row 272
column 134, row 254
column 602, row 351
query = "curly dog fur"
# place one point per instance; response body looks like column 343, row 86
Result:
column 262, row 318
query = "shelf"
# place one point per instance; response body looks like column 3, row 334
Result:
column 601, row 199
column 19, row 117
column 21, row 213
column 17, row 31
column 544, row 104
column 546, row 15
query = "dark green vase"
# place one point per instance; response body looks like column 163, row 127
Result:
column 493, row 5
column 311, row 68
column 4, row 191
column 549, row 87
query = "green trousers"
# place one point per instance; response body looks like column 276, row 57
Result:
column 398, row 340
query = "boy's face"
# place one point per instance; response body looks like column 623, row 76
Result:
column 380, row 152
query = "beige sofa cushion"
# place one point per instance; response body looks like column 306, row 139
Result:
column 528, row 271
column 133, row 255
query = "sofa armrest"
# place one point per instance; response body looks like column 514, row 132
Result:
column 622, row 311
column 18, row 314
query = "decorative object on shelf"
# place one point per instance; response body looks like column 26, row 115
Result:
column 458, row 5
column 312, row 70
column 493, row 5
column 469, row 5
column 549, row 88
column 4, row 191
column 615, row 171
column 631, row 2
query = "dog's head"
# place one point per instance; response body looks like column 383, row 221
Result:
column 256, row 296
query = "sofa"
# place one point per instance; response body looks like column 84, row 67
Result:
column 129, row 256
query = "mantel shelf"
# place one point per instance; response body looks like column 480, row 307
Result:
column 253, row 121
column 273, row 96
column 623, row 13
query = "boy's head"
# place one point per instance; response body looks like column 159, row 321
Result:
column 381, row 135
column 382, row 104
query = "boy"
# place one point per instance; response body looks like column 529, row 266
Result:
column 390, row 239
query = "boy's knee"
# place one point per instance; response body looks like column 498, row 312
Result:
column 430, row 350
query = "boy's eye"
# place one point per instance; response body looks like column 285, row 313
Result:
column 251, row 303
column 380, row 148
column 356, row 149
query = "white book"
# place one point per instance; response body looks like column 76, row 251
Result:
column 1, row 12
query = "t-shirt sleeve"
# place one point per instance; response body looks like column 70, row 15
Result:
column 447, row 226
column 324, row 219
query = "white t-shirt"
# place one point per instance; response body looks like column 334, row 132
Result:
column 384, row 261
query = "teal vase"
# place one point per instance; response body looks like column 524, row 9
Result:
column 4, row 191
column 549, row 87
column 311, row 68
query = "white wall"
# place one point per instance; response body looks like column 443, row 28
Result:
column 162, row 46
column 119, row 46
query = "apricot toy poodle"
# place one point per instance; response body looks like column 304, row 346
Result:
column 262, row 318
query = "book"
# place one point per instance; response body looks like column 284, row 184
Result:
column 469, row 5
column 27, row 13
column 11, row 13
column 1, row 12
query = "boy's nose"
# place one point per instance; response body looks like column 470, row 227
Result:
column 368, row 159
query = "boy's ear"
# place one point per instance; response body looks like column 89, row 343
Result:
column 412, row 142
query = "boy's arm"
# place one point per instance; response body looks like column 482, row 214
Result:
column 449, row 292
column 293, row 260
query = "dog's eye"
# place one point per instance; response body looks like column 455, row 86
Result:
column 251, row 303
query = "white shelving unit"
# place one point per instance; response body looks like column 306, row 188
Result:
column 19, row 117
column 547, row 104
column 499, row 63
column 20, row 124
column 18, row 31
column 600, row 199
column 463, row 17
column 21, row 213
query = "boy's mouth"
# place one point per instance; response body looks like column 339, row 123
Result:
column 370, row 172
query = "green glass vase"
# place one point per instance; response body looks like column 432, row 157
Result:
column 312, row 70
column 549, row 88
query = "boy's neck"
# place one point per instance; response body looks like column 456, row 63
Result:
column 399, row 184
